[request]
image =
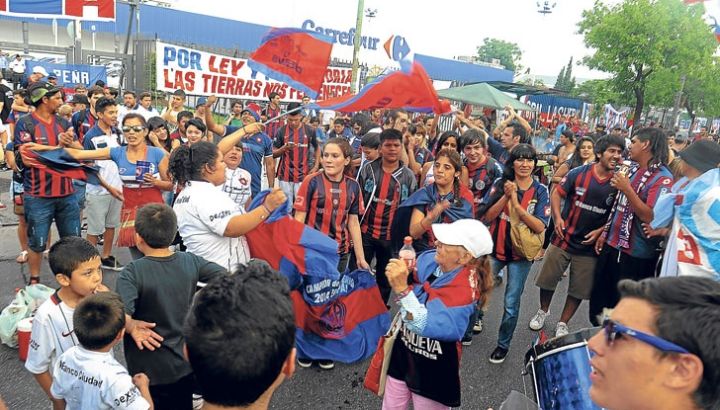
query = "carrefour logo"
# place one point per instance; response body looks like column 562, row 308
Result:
column 346, row 38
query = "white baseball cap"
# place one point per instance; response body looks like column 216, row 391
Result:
column 471, row 234
column 40, row 70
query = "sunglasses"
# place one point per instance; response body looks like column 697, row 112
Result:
column 614, row 331
column 134, row 128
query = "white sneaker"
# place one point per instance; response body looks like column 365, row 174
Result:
column 561, row 329
column 538, row 321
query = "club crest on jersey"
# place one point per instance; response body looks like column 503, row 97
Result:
column 531, row 207
column 368, row 186
column 479, row 185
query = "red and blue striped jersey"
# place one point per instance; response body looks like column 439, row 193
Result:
column 39, row 182
column 295, row 162
column 272, row 127
column 588, row 201
column 535, row 201
column 82, row 121
column 328, row 205
column 659, row 182
column 481, row 177
column 382, row 194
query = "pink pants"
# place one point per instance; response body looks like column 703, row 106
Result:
column 397, row 397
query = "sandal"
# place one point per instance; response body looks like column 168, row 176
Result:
column 22, row 258
column 34, row 280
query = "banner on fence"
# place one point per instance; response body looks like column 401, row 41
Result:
column 96, row 10
column 550, row 107
column 69, row 75
column 203, row 73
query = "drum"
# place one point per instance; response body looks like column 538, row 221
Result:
column 560, row 369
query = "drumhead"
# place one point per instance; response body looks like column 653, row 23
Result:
column 578, row 337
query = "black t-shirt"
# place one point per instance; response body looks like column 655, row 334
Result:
column 160, row 290
column 6, row 98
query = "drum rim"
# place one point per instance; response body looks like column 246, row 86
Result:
column 555, row 351
column 581, row 336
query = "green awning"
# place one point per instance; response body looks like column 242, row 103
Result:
column 484, row 95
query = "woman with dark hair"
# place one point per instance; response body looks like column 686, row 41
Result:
column 445, row 200
column 211, row 224
column 195, row 131
column 584, row 154
column 434, row 310
column 143, row 171
column 448, row 139
column 159, row 135
column 518, row 192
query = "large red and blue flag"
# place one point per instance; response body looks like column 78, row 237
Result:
column 411, row 90
column 294, row 56
column 59, row 163
column 101, row 10
column 338, row 316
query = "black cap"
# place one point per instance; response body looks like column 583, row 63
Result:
column 79, row 99
column 702, row 155
column 294, row 106
column 39, row 89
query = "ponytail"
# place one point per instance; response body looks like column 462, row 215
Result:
column 481, row 267
column 187, row 162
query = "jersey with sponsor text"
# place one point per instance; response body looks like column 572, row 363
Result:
column 588, row 201
column 295, row 162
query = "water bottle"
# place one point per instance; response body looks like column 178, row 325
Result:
column 407, row 253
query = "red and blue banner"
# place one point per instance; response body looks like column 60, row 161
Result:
column 338, row 316
column 97, row 10
column 294, row 56
column 412, row 91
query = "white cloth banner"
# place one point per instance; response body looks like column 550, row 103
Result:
column 202, row 73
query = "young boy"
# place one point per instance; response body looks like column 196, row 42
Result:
column 76, row 265
column 159, row 288
column 88, row 376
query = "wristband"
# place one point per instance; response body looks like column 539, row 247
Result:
column 266, row 208
column 403, row 293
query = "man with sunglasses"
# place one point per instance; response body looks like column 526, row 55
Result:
column 659, row 350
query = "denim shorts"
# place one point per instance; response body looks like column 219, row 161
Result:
column 40, row 213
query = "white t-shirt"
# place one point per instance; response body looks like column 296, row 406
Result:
column 203, row 212
column 147, row 114
column 237, row 186
column 52, row 334
column 108, row 169
column 94, row 380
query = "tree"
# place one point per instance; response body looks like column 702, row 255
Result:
column 508, row 53
column 636, row 39
column 565, row 81
column 560, row 82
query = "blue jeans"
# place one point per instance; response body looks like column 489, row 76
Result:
column 517, row 273
column 40, row 213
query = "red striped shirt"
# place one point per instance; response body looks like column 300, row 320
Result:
column 328, row 205
column 294, row 163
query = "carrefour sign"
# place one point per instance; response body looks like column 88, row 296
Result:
column 346, row 38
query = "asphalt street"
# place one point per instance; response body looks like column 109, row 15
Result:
column 484, row 385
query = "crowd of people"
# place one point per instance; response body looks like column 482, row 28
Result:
column 174, row 186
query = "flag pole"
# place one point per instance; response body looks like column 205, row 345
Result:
column 282, row 115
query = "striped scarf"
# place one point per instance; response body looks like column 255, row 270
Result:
column 621, row 199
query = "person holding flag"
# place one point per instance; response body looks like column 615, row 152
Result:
column 293, row 144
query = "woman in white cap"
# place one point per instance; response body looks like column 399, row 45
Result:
column 435, row 310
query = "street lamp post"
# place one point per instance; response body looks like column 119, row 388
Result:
column 356, row 44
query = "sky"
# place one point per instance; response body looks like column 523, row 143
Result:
column 446, row 28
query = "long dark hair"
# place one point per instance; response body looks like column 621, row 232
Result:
column 456, row 162
column 521, row 151
column 156, row 123
column 187, row 163
column 576, row 161
column 658, row 144
column 444, row 137
column 482, row 268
